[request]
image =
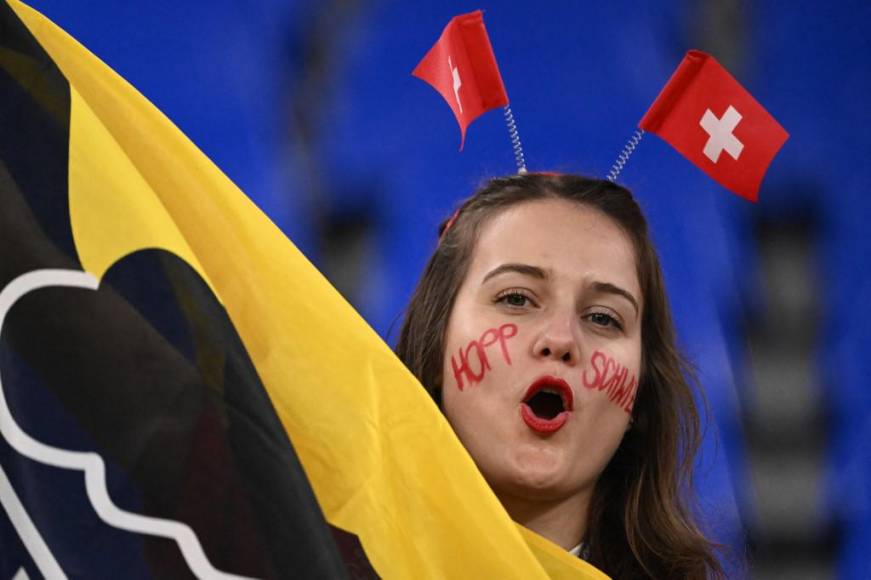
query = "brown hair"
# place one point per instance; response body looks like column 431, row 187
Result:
column 640, row 522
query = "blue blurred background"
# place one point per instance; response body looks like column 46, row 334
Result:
column 309, row 106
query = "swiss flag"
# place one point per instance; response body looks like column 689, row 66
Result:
column 461, row 66
column 706, row 115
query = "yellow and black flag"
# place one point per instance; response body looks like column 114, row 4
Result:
column 181, row 393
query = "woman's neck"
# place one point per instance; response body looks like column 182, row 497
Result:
column 563, row 521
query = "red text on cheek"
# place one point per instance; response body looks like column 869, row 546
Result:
column 606, row 374
column 473, row 361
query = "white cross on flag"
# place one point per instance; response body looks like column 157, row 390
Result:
column 706, row 115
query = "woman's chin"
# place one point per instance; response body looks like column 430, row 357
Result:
column 537, row 477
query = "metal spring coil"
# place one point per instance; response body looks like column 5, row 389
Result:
column 620, row 163
column 515, row 140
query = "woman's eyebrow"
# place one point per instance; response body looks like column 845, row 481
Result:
column 609, row 288
column 524, row 269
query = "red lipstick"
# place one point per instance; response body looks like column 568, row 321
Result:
column 547, row 405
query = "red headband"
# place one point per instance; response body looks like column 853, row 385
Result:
column 450, row 223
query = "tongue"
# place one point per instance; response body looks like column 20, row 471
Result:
column 546, row 405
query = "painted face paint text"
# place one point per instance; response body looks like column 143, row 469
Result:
column 474, row 355
column 606, row 374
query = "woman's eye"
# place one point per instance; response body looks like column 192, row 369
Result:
column 606, row 320
column 514, row 300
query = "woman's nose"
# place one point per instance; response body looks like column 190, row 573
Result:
column 557, row 341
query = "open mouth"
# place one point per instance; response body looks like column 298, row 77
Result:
column 547, row 405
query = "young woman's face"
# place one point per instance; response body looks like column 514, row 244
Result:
column 543, row 349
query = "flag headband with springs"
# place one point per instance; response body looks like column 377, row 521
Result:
column 702, row 111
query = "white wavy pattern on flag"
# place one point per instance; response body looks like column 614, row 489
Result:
column 36, row 547
column 91, row 463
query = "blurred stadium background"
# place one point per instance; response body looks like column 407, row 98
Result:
column 309, row 106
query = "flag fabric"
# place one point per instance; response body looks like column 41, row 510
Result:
column 708, row 117
column 181, row 392
column 136, row 437
column 461, row 66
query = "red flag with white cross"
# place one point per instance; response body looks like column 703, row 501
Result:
column 710, row 119
column 461, row 66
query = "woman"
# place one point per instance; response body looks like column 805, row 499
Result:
column 542, row 329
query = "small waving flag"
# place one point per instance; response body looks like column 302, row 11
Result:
column 710, row 119
column 461, row 66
